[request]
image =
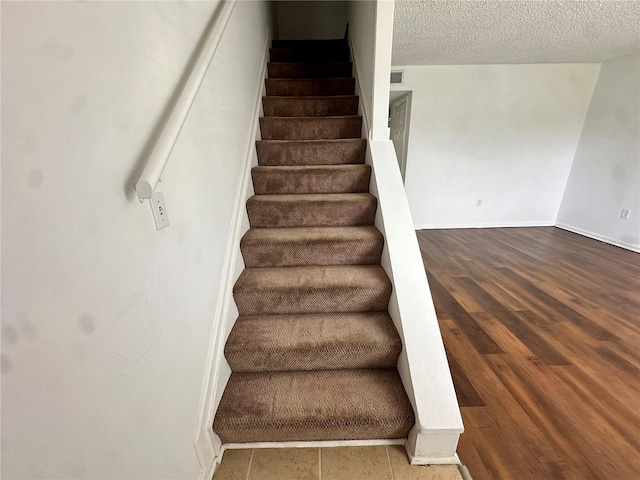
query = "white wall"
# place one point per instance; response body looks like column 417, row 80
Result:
column 371, row 35
column 311, row 20
column 106, row 322
column 605, row 177
column 505, row 134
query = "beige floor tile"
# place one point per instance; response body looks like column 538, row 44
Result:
column 285, row 464
column 234, row 466
column 402, row 470
column 355, row 463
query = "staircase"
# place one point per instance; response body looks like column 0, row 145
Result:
column 313, row 353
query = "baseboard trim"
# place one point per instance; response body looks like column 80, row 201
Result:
column 453, row 226
column 455, row 460
column 601, row 238
column 207, row 444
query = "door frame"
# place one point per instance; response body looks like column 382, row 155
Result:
column 405, row 97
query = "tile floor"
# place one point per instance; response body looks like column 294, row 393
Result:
column 339, row 463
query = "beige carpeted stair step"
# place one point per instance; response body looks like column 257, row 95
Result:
column 310, row 70
column 287, row 247
column 311, row 210
column 304, row 87
column 309, row 44
column 311, row 179
column 310, row 106
column 328, row 289
column 307, row 55
column 319, row 405
column 311, row 152
column 271, row 343
column 310, row 128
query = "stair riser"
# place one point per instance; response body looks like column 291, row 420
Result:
column 307, row 88
column 309, row 107
column 325, row 300
column 309, row 70
column 318, row 180
column 311, row 214
column 304, row 128
column 311, row 153
column 321, row 253
column 309, row 54
column 320, row 359
column 310, row 44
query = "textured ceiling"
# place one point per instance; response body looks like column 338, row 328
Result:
column 450, row 32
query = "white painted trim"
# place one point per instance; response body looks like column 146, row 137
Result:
column 601, row 238
column 206, row 443
column 413, row 460
column 362, row 110
column 453, row 226
column 385, row 10
column 422, row 364
column 464, row 472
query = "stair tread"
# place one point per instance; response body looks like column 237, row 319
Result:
column 311, row 210
column 294, row 198
column 310, row 86
column 328, row 118
column 306, row 128
column 311, row 179
column 302, row 98
column 284, row 42
column 312, row 80
column 310, row 106
column 313, row 342
column 329, row 141
column 310, row 70
column 341, row 151
column 314, row 405
column 280, row 247
column 308, row 55
column 332, row 277
column 341, row 168
column 295, row 235
column 315, row 64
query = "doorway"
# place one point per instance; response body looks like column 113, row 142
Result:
column 399, row 115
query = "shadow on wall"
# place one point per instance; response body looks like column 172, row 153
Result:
column 302, row 20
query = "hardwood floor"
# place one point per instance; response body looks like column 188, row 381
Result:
column 542, row 331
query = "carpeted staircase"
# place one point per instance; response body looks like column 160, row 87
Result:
column 313, row 353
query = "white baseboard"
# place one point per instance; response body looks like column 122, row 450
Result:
column 451, row 226
column 596, row 236
column 206, row 443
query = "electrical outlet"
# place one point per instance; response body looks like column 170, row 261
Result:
column 626, row 213
column 159, row 211
column 479, row 202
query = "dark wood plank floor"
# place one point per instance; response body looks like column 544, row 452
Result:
column 542, row 331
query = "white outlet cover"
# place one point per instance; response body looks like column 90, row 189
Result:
column 159, row 211
column 626, row 213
